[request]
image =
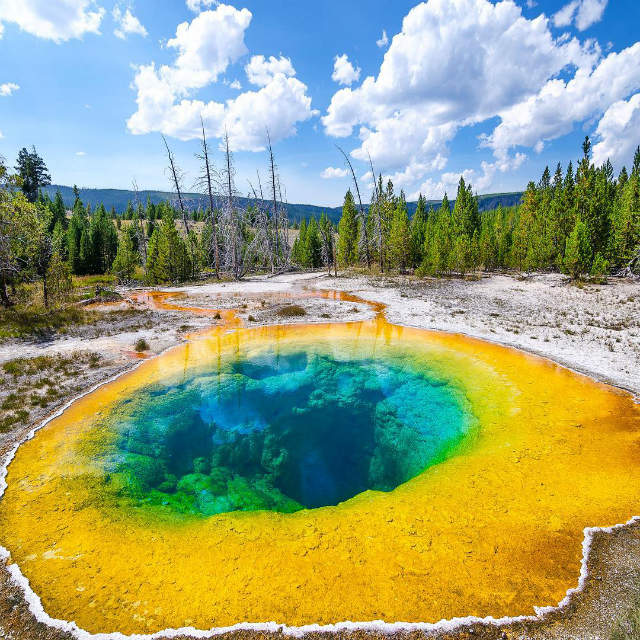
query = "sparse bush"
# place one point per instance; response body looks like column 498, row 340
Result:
column 10, row 420
column 628, row 629
column 23, row 323
column 141, row 345
column 291, row 311
column 10, row 402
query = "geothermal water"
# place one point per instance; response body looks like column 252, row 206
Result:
column 314, row 474
column 281, row 430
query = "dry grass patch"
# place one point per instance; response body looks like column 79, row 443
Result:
column 291, row 311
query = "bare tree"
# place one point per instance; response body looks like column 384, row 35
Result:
column 279, row 217
column 283, row 214
column 139, row 231
column 327, row 242
column 238, row 244
column 262, row 225
column 377, row 215
column 363, row 217
column 275, row 205
column 206, row 180
column 177, row 178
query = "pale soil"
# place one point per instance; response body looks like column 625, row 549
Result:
column 595, row 330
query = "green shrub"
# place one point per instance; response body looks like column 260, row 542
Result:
column 291, row 311
column 141, row 345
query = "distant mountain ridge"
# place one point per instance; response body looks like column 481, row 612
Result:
column 118, row 199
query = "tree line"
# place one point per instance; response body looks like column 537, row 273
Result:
column 579, row 221
column 582, row 221
column 157, row 243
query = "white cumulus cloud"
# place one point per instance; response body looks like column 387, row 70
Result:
column 553, row 111
column 344, row 72
column 127, row 23
column 198, row 5
column 58, row 20
column 206, row 47
column 457, row 64
column 8, row 88
column 261, row 71
column 383, row 41
column 583, row 13
column 617, row 132
column 334, row 172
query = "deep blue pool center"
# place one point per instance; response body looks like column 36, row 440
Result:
column 282, row 432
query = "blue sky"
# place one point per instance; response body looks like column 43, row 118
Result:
column 493, row 91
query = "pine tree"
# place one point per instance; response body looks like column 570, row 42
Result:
column 438, row 240
column 326, row 240
column 33, row 173
column 577, row 258
column 59, row 240
column 58, row 212
column 400, row 237
column 522, row 249
column 625, row 221
column 599, row 268
column 635, row 169
column 418, row 231
column 461, row 254
column 78, row 225
column 168, row 259
column 85, row 253
column 154, row 270
column 104, row 241
column 348, row 232
column 312, row 245
column 126, row 259
column 299, row 244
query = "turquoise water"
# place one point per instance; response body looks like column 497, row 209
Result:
column 282, row 433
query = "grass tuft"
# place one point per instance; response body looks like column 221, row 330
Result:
column 291, row 311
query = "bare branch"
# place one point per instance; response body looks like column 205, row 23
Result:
column 363, row 217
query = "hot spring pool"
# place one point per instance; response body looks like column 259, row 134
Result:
column 315, row 474
column 282, row 431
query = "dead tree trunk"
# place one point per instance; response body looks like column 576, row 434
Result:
column 363, row 218
column 207, row 176
column 274, row 260
column 175, row 173
column 378, row 219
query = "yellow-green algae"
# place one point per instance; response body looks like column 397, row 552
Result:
column 493, row 530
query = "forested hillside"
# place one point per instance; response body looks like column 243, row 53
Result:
column 119, row 200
